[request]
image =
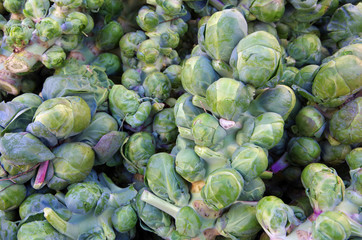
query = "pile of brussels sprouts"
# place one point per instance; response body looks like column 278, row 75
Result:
column 178, row 120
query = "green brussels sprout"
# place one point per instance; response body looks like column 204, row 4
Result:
column 48, row 29
column 306, row 49
column 309, row 122
column 266, row 130
column 288, row 76
column 239, row 222
column 303, row 151
column 256, row 26
column 222, row 188
column 75, row 23
column 23, row 149
column 164, row 126
column 331, row 225
column 345, row 22
column 207, row 132
column 250, row 161
column 130, row 41
column 253, row 190
column 11, row 195
column 131, row 78
column 354, row 191
column 352, row 49
column 257, row 59
column 185, row 112
column 138, row 149
column 81, row 198
column 154, row 219
column 39, row 230
column 305, row 77
column 101, row 124
column 124, row 218
column 188, row 222
column 18, row 34
column 346, row 124
column 334, row 155
column 108, row 37
column 325, row 190
column 310, row 170
column 54, row 57
column 280, row 99
column 8, row 229
column 222, row 32
column 275, row 216
column 354, row 158
column 265, row 11
column 337, row 79
column 68, row 42
column 229, row 98
column 157, row 86
column 17, row 173
column 13, row 6
column 147, row 19
column 190, row 166
column 93, row 5
column 32, row 208
column 197, row 75
column 308, row 11
column 29, row 99
column 173, row 73
column 149, row 51
column 62, row 117
column 109, row 61
column 110, row 8
column 163, row 180
column 72, row 164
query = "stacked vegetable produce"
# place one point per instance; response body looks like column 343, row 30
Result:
column 171, row 119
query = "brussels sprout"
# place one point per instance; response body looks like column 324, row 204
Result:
column 337, row 79
column 257, row 59
column 275, row 216
column 331, row 225
column 305, row 77
column 163, row 180
column 325, row 190
column 72, row 164
column 108, row 37
column 173, row 73
column 190, row 166
column 265, row 11
column 154, row 219
column 222, row 32
column 345, row 22
column 303, row 150
column 48, row 29
column 39, row 230
column 334, row 155
column 185, row 111
column 346, row 124
column 229, row 98
column 256, row 26
column 288, row 76
column 280, row 99
column 309, row 122
column 32, row 208
column 197, row 75
column 11, row 195
column 149, row 51
column 138, row 149
column 124, row 218
column 238, row 222
column 310, row 170
column 109, row 61
column 129, row 43
column 250, row 161
column 23, row 149
column 222, row 188
column 18, row 34
column 54, row 57
column 164, row 126
column 265, row 131
column 93, row 5
column 305, row 49
column 354, row 158
column 207, row 132
column 61, row 117
column 81, row 198
column 131, row 79
column 253, row 190
column 157, row 86
column 147, row 19
column 8, row 229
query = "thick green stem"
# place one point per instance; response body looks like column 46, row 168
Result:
column 266, row 175
column 57, row 222
column 159, row 203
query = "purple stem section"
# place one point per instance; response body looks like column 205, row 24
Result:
column 281, row 164
column 41, row 174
